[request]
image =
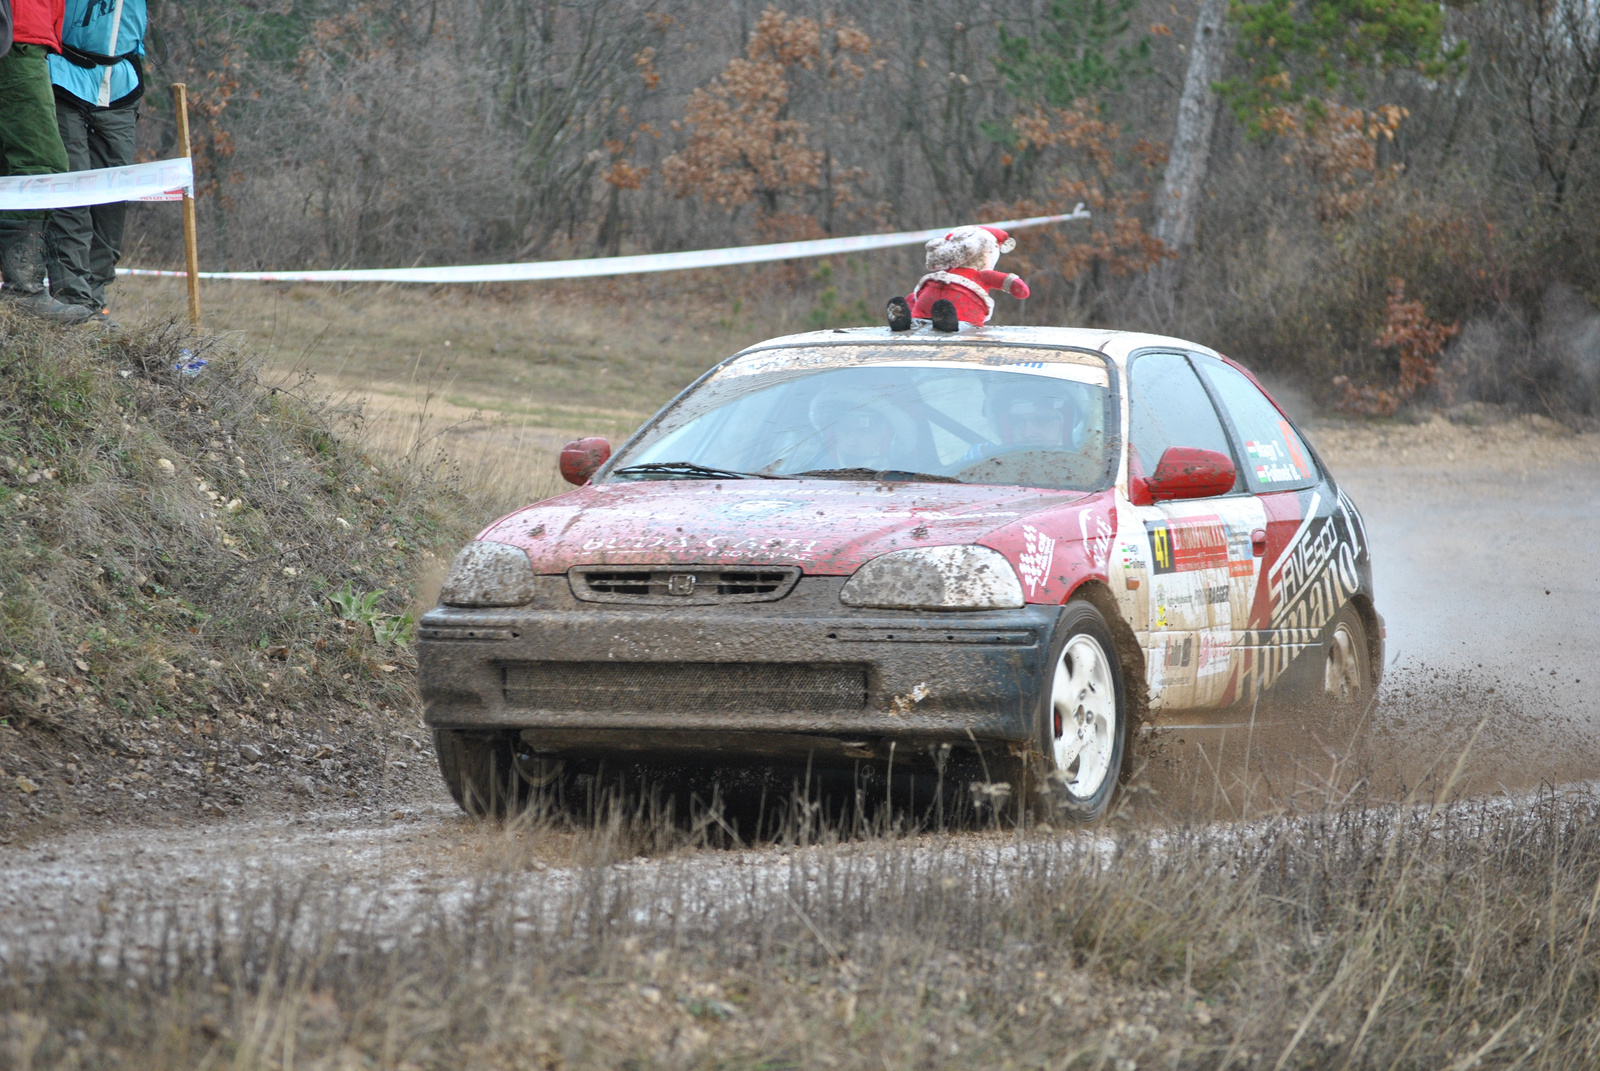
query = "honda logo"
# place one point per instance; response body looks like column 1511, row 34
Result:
column 680, row 584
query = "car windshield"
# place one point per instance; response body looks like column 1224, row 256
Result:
column 979, row 414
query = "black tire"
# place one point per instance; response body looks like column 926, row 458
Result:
column 1347, row 678
column 1072, row 791
column 480, row 770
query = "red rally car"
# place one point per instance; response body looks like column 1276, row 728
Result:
column 1006, row 545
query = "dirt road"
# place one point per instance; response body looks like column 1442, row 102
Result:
column 1487, row 571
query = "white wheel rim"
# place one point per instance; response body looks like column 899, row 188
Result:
column 1083, row 704
column 1341, row 677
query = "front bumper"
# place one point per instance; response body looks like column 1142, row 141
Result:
column 787, row 677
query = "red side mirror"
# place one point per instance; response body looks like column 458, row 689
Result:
column 581, row 457
column 1185, row 472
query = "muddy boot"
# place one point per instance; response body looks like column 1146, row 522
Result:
column 899, row 313
column 944, row 316
column 103, row 320
column 22, row 265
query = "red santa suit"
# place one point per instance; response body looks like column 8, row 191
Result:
column 961, row 271
column 967, row 289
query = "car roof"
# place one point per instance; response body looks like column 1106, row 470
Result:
column 1117, row 345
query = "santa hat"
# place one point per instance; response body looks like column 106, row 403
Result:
column 966, row 246
column 1007, row 243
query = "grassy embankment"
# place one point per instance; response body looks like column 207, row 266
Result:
column 204, row 590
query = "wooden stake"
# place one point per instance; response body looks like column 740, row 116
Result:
column 191, row 253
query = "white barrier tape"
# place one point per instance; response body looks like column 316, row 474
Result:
column 158, row 180
column 582, row 269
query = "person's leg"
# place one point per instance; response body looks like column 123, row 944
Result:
column 30, row 144
column 70, row 232
column 111, row 144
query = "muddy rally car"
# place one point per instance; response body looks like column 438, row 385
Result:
column 989, row 556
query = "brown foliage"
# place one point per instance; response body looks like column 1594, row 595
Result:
column 1338, row 147
column 1417, row 340
column 1088, row 173
column 645, row 60
column 744, row 146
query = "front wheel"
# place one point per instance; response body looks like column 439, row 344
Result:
column 480, row 769
column 1083, row 721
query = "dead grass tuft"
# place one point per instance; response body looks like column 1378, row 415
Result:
column 1411, row 935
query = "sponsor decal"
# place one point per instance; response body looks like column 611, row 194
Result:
column 918, row 513
column 1010, row 362
column 1353, row 524
column 1295, row 455
column 797, row 550
column 758, row 507
column 1179, row 652
column 1179, row 546
column 1314, row 576
column 1278, row 461
column 637, row 543
column 1246, row 567
column 1033, row 565
column 1098, row 544
column 1277, row 473
column 1216, row 594
column 1216, row 653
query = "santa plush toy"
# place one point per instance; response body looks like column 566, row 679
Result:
column 960, row 275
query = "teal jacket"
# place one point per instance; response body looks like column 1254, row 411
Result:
column 101, row 45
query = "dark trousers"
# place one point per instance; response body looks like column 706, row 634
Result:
column 29, row 141
column 82, row 245
column 29, row 145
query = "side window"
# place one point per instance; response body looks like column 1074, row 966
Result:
column 1275, row 457
column 1167, row 406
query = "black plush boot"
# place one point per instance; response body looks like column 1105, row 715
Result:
column 899, row 312
column 944, row 316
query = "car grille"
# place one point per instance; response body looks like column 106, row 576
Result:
column 681, row 585
column 684, row 687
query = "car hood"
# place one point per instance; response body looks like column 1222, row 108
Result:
column 827, row 527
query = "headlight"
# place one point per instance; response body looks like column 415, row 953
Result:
column 489, row 574
column 935, row 578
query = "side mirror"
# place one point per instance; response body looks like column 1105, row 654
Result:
column 581, row 457
column 1185, row 472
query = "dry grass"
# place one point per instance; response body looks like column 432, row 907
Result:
column 1411, row 936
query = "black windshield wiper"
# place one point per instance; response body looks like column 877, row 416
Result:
column 690, row 470
column 881, row 475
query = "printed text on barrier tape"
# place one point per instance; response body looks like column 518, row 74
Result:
column 158, row 180
column 581, row 269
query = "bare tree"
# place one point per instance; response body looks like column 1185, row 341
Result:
column 1190, row 151
column 1543, row 61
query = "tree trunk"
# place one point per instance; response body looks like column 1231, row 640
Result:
column 1191, row 142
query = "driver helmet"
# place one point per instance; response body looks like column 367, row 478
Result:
column 1023, row 413
column 859, row 430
